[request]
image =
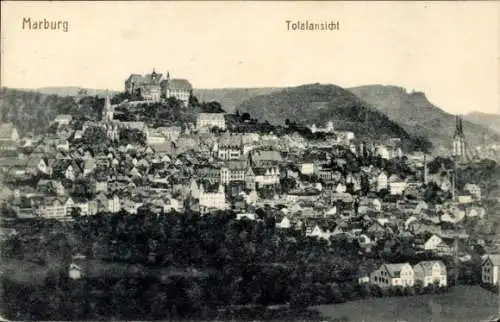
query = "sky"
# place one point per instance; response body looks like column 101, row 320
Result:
column 449, row 50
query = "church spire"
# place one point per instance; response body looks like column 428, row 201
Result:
column 107, row 102
column 461, row 126
column 108, row 109
column 458, row 126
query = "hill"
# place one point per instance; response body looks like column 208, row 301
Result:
column 229, row 98
column 489, row 120
column 418, row 116
column 32, row 111
column 317, row 104
column 70, row 91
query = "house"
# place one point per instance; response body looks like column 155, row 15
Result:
column 233, row 170
column 114, row 204
column 8, row 132
column 489, row 269
column 100, row 185
column 284, row 223
column 382, row 152
column 248, row 216
column 55, row 207
column 307, row 168
column 62, row 145
column 387, row 275
column 63, row 119
column 474, row 190
column 209, row 195
column 397, row 186
column 252, row 197
column 382, row 181
column 230, row 147
column 206, row 121
column 89, row 166
column 430, row 272
column 75, row 271
column 38, row 163
column 262, row 158
column 432, row 242
column 267, row 175
column 318, row 232
column 464, row 199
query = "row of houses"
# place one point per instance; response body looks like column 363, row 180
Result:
column 404, row 275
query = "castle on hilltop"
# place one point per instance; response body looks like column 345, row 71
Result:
column 154, row 87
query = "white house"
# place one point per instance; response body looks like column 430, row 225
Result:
column 474, row 190
column 430, row 272
column 382, row 181
column 433, row 242
column 489, row 269
column 388, row 275
column 215, row 199
column 63, row 119
column 248, row 216
column 397, row 187
column 383, row 152
column 284, row 223
column 320, row 233
column 307, row 168
column 75, row 271
column 209, row 120
column 267, row 176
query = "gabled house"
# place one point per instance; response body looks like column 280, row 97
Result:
column 430, row 272
column 388, row 275
column 490, row 269
column 38, row 163
column 285, row 223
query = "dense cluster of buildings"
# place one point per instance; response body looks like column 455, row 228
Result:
column 372, row 193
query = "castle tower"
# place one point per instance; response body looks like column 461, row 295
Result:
column 459, row 140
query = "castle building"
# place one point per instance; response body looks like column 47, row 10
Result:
column 154, row 87
column 459, row 140
column 181, row 89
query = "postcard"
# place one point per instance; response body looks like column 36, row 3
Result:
column 250, row 161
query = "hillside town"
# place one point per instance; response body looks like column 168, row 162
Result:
column 410, row 213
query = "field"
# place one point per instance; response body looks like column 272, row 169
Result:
column 462, row 303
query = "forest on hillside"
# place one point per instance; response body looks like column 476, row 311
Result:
column 32, row 112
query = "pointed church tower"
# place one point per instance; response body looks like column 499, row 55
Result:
column 426, row 170
column 108, row 110
column 459, row 140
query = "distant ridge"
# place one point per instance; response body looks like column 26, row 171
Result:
column 418, row 116
column 489, row 120
column 319, row 103
column 231, row 97
column 69, row 91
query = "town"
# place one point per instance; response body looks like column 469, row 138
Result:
column 160, row 184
